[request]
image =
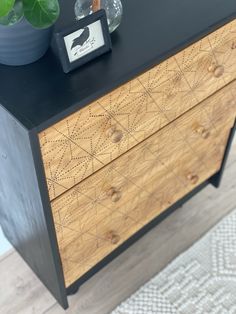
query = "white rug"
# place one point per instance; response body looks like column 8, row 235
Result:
column 200, row 281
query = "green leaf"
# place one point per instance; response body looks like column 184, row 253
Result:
column 6, row 6
column 41, row 13
column 14, row 16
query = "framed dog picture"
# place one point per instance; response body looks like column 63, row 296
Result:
column 84, row 41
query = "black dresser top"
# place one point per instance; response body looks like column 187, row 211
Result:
column 40, row 94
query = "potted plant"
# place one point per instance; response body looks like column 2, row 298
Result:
column 25, row 29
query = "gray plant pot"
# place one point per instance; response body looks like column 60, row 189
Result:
column 22, row 44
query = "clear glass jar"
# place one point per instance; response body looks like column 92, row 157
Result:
column 113, row 8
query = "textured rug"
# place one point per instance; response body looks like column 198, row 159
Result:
column 200, row 281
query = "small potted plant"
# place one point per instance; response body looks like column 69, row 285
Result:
column 25, row 29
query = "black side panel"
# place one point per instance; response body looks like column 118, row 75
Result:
column 21, row 211
column 216, row 179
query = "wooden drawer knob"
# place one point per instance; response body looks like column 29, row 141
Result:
column 219, row 71
column 114, row 134
column 205, row 133
column 113, row 237
column 114, row 194
column 232, row 102
column 193, row 178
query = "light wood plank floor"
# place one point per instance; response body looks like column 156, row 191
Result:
column 22, row 293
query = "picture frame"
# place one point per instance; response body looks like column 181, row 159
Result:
column 85, row 40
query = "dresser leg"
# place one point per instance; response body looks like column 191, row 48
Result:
column 216, row 179
column 73, row 290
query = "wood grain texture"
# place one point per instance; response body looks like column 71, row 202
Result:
column 19, row 286
column 103, row 211
column 22, row 215
column 134, row 267
column 79, row 145
column 154, row 251
column 211, row 63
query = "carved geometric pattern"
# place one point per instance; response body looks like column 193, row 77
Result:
column 217, row 49
column 149, row 178
column 202, row 280
column 78, row 146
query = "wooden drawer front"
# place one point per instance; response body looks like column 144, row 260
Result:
column 78, row 146
column 211, row 63
column 103, row 211
column 88, row 140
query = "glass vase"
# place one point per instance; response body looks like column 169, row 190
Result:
column 113, row 8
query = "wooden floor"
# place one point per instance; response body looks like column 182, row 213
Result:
column 22, row 293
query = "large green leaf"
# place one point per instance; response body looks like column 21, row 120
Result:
column 6, row 6
column 41, row 13
column 14, row 16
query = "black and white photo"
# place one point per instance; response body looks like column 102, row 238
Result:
column 87, row 39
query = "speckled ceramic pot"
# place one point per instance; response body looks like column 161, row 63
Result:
column 22, row 44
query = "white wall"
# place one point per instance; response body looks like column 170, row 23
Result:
column 4, row 244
